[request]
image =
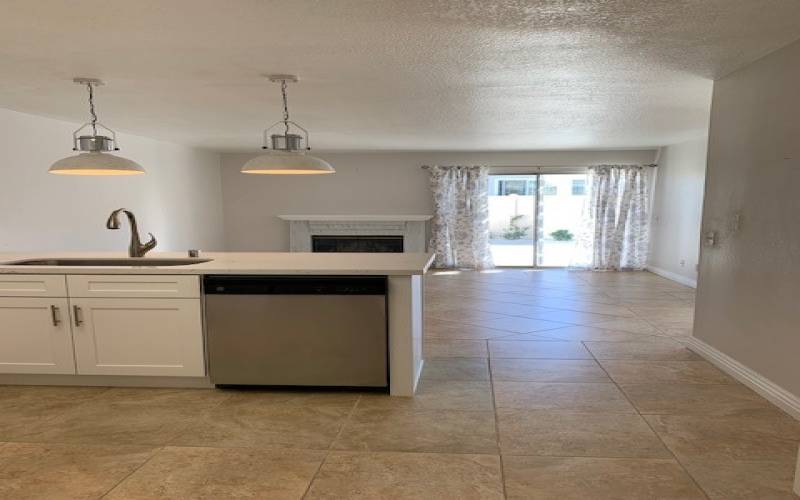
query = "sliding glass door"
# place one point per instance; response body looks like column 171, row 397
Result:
column 560, row 212
column 512, row 219
column 534, row 219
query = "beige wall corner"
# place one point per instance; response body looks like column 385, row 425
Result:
column 677, row 211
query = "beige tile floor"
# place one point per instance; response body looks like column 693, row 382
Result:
column 537, row 385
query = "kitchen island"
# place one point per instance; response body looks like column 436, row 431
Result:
column 79, row 324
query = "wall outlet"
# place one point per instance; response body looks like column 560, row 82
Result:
column 683, row 263
column 736, row 223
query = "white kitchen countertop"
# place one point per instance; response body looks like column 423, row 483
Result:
column 390, row 264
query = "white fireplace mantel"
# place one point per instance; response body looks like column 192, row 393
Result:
column 303, row 227
column 379, row 218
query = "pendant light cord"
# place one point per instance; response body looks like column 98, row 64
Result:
column 285, row 106
column 91, row 108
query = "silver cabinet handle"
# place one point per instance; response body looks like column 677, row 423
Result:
column 54, row 314
column 78, row 313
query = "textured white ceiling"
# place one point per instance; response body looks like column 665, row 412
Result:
column 390, row 74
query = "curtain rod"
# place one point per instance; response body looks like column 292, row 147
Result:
column 426, row 167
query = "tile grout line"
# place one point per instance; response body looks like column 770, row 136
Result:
column 314, row 476
column 661, row 333
column 441, row 315
column 330, row 447
column 633, row 315
column 346, row 421
column 158, row 450
column 496, row 421
column 656, row 434
column 134, row 471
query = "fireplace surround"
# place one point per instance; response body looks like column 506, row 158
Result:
column 302, row 229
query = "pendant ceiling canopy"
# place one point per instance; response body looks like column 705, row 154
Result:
column 287, row 151
column 93, row 158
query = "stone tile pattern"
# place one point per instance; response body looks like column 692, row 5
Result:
column 537, row 385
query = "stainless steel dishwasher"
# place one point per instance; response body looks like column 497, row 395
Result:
column 297, row 330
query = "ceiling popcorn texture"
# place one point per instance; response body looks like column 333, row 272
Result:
column 390, row 74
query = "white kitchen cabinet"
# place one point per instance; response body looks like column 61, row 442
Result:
column 136, row 336
column 133, row 286
column 33, row 285
column 35, row 335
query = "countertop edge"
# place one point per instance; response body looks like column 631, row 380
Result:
column 222, row 264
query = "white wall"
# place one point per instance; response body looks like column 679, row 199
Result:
column 749, row 284
column 364, row 183
column 677, row 211
column 179, row 199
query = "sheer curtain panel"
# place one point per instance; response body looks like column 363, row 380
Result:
column 460, row 228
column 616, row 230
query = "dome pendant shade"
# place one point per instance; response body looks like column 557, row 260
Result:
column 287, row 156
column 94, row 159
column 96, row 163
column 287, row 162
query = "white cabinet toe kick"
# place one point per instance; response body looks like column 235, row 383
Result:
column 147, row 330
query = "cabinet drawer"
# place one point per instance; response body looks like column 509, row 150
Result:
column 33, row 285
column 134, row 286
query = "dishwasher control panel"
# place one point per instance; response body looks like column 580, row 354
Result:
column 295, row 285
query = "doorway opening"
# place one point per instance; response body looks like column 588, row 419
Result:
column 534, row 219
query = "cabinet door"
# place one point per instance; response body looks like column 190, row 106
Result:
column 138, row 337
column 35, row 336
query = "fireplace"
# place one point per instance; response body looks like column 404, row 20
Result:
column 356, row 243
column 357, row 233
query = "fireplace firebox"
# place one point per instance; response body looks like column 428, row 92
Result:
column 371, row 244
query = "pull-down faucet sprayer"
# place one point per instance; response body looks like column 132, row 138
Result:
column 136, row 248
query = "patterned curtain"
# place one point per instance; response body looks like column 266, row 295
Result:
column 461, row 217
column 616, row 229
column 539, row 241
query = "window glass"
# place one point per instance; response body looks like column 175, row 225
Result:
column 578, row 187
column 525, row 230
column 515, row 186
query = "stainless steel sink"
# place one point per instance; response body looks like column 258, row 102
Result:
column 115, row 262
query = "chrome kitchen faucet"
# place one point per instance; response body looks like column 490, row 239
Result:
column 136, row 248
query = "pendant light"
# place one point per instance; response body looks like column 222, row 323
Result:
column 287, row 154
column 93, row 159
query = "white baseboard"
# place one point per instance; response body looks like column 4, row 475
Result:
column 418, row 375
column 774, row 393
column 105, row 380
column 797, row 476
column 683, row 280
